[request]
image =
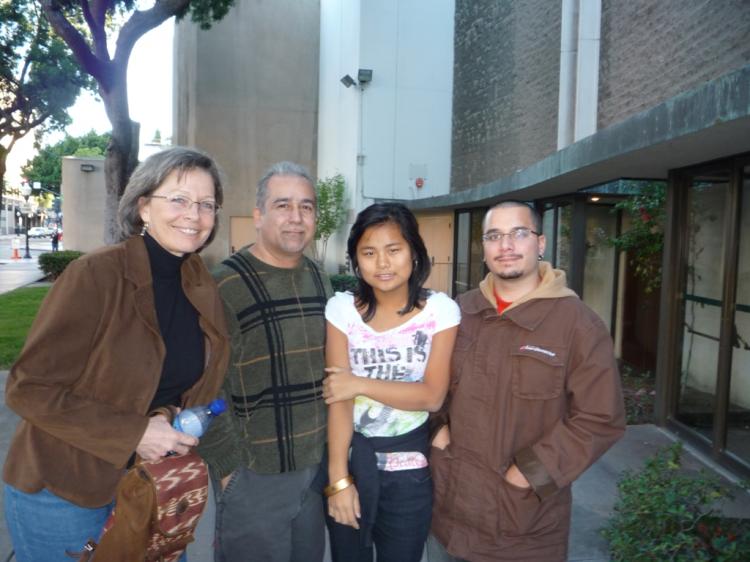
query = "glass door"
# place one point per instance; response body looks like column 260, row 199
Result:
column 469, row 264
column 703, row 284
column 738, row 420
column 599, row 271
column 463, row 235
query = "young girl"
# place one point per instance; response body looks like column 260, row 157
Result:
column 388, row 353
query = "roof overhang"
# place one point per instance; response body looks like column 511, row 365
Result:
column 710, row 122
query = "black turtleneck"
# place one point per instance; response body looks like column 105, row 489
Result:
column 178, row 323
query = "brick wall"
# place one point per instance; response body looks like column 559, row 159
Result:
column 653, row 50
column 505, row 93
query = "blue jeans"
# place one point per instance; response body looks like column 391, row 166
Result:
column 44, row 526
column 402, row 522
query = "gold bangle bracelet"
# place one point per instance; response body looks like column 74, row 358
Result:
column 337, row 486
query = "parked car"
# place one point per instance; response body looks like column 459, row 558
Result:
column 39, row 232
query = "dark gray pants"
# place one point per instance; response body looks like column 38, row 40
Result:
column 269, row 518
column 436, row 552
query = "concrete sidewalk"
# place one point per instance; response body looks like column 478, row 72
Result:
column 18, row 273
column 15, row 274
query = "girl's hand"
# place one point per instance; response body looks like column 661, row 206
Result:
column 340, row 385
column 344, row 507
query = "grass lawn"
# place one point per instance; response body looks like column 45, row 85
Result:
column 17, row 311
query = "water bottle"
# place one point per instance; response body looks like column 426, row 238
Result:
column 194, row 421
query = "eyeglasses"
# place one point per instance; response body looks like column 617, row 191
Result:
column 182, row 204
column 516, row 234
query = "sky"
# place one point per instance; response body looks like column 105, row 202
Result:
column 149, row 94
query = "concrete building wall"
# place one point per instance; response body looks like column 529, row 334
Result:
column 506, row 82
column 651, row 51
column 83, row 195
column 8, row 220
column 385, row 134
column 338, row 109
column 246, row 91
column 406, row 110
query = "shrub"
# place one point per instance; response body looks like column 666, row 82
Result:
column 330, row 212
column 343, row 282
column 644, row 239
column 638, row 389
column 664, row 514
column 54, row 263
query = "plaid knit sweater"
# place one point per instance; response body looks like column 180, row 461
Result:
column 276, row 420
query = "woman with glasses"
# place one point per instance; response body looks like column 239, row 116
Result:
column 388, row 352
column 124, row 330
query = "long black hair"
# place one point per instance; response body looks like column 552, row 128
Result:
column 398, row 214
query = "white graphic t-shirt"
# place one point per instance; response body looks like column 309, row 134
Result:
column 398, row 354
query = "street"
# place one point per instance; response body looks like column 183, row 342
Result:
column 36, row 246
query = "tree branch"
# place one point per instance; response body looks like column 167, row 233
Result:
column 76, row 42
column 97, row 31
column 30, row 51
column 99, row 11
column 36, row 122
column 142, row 22
column 20, row 130
column 12, row 142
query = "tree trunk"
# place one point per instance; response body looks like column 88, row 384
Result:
column 122, row 153
column 3, row 159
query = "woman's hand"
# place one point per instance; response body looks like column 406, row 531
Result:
column 343, row 506
column 340, row 385
column 442, row 438
column 160, row 438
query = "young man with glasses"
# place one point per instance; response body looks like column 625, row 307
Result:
column 534, row 400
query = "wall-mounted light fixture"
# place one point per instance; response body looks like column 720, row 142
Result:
column 364, row 76
column 87, row 168
column 348, row 81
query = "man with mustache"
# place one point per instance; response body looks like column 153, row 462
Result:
column 264, row 453
column 534, row 400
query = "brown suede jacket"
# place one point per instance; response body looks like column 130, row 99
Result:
column 90, row 368
column 536, row 386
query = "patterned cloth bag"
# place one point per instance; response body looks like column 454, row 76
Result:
column 157, row 508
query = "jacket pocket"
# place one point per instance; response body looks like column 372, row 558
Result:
column 520, row 512
column 538, row 372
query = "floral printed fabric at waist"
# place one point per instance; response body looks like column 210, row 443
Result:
column 405, row 460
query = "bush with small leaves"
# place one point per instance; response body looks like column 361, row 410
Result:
column 343, row 282
column 54, row 263
column 665, row 514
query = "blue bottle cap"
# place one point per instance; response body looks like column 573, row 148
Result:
column 217, row 406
